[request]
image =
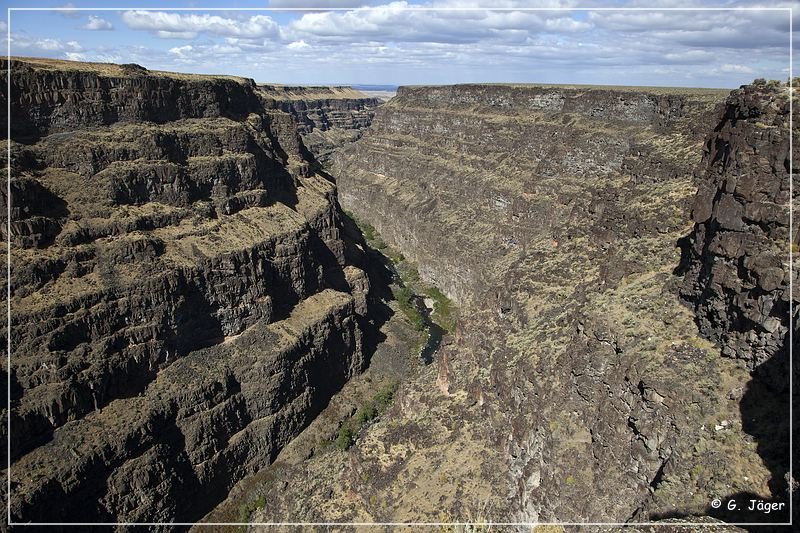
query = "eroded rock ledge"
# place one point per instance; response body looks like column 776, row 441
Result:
column 552, row 215
column 328, row 118
column 737, row 262
column 184, row 299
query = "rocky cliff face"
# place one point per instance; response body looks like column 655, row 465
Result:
column 738, row 279
column 534, row 162
column 99, row 94
column 328, row 118
column 576, row 376
column 183, row 298
column 737, row 260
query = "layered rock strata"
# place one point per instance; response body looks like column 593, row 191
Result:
column 552, row 215
column 737, row 261
column 183, row 299
column 328, row 118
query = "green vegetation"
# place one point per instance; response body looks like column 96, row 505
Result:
column 444, row 312
column 365, row 414
column 369, row 232
column 405, row 299
column 395, row 256
column 345, row 438
column 412, row 284
column 248, row 508
column 383, row 398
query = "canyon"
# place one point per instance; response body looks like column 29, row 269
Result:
column 210, row 279
column 184, row 296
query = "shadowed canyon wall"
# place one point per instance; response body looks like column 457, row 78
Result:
column 183, row 298
column 328, row 118
column 556, row 217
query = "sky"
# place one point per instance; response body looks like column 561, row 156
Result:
column 396, row 43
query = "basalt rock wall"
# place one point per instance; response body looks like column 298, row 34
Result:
column 553, row 216
column 51, row 100
column 737, row 256
column 328, row 118
column 184, row 299
column 483, row 161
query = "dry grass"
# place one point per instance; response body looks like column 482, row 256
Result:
column 112, row 69
column 310, row 92
column 694, row 91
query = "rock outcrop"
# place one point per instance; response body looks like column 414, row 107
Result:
column 526, row 159
column 576, row 375
column 46, row 99
column 183, row 297
column 328, row 118
column 737, row 262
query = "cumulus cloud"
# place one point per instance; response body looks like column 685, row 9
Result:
column 396, row 23
column 322, row 3
column 505, row 3
column 27, row 45
column 391, row 43
column 181, row 51
column 97, row 24
column 689, row 56
column 68, row 10
column 298, row 45
column 176, row 34
column 179, row 23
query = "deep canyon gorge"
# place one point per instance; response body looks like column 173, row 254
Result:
column 223, row 294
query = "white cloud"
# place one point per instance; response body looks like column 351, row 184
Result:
column 298, row 45
column 68, row 10
column 181, row 51
column 689, row 56
column 322, row 3
column 176, row 34
column 567, row 24
column 75, row 56
column 97, row 23
column 729, row 68
column 505, row 3
column 392, row 44
column 49, row 44
column 393, row 22
column 647, row 21
column 27, row 45
column 160, row 21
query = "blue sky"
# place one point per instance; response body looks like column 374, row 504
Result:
column 382, row 42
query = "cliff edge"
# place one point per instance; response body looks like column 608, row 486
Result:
column 184, row 298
